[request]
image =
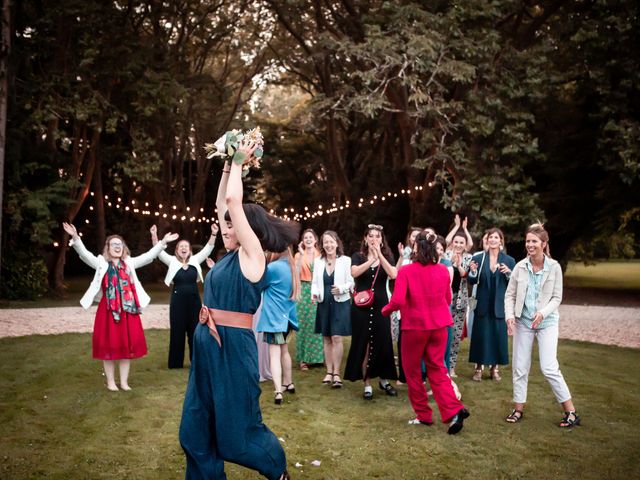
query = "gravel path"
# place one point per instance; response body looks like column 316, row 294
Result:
column 607, row 325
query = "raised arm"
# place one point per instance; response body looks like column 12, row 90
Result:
column 252, row 261
column 148, row 257
column 456, row 226
column 221, row 204
column 163, row 256
column 76, row 242
column 202, row 255
column 468, row 235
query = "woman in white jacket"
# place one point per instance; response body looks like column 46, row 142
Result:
column 331, row 287
column 531, row 306
column 117, row 330
column 184, row 272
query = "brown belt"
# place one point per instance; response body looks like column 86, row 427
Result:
column 224, row 318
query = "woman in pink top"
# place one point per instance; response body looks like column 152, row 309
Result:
column 423, row 294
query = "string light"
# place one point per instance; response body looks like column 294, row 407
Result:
column 288, row 213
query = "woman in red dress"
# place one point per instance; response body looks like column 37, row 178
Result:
column 117, row 330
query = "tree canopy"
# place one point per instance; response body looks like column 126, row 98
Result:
column 505, row 112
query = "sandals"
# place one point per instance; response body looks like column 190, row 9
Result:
column 304, row 366
column 569, row 420
column 278, row 398
column 336, row 383
column 328, row 378
column 515, row 416
column 477, row 376
column 290, row 388
column 495, row 374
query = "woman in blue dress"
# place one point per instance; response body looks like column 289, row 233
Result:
column 278, row 318
column 221, row 418
column 491, row 271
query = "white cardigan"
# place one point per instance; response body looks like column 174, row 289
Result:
column 100, row 264
column 341, row 277
column 175, row 265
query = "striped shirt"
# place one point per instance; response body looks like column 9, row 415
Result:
column 531, row 299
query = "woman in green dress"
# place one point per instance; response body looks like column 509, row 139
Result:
column 309, row 348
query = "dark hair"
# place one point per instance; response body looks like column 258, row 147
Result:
column 275, row 234
column 315, row 235
column 384, row 248
column 538, row 230
column 493, row 230
column 339, row 248
column 409, row 233
column 426, row 249
column 440, row 239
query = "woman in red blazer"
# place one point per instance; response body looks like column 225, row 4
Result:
column 423, row 294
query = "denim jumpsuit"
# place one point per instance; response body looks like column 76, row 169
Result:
column 221, row 418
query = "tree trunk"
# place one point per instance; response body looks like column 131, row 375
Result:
column 101, row 229
column 5, row 49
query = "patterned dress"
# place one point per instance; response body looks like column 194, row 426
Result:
column 309, row 347
column 458, row 305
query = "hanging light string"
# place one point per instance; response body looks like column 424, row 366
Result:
column 139, row 208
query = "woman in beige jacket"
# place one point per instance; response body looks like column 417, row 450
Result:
column 531, row 306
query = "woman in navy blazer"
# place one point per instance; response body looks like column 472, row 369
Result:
column 491, row 271
column 422, row 294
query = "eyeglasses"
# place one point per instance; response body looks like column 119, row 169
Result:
column 373, row 226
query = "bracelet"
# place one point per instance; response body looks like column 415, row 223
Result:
column 226, row 171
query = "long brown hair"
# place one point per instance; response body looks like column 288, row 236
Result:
column 125, row 250
column 538, row 230
column 315, row 235
column 295, row 279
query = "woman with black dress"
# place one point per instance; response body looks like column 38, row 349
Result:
column 184, row 272
column 371, row 353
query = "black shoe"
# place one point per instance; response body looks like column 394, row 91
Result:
column 289, row 388
column 392, row 392
column 278, row 398
column 456, row 422
column 367, row 395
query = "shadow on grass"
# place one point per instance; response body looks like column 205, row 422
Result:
column 59, row 421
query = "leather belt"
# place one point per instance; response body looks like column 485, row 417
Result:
column 224, row 318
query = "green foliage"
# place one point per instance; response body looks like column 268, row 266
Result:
column 24, row 276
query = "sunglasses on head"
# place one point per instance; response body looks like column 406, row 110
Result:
column 373, row 226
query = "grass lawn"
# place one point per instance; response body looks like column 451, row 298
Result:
column 57, row 420
column 614, row 275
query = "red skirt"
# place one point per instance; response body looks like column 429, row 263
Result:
column 117, row 341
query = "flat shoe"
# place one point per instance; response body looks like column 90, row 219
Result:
column 336, row 383
column 415, row 421
column 389, row 390
column 457, row 421
column 327, row 378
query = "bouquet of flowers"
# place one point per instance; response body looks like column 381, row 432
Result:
column 227, row 145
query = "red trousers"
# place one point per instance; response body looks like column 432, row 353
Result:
column 428, row 345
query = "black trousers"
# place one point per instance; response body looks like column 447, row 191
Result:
column 183, row 319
